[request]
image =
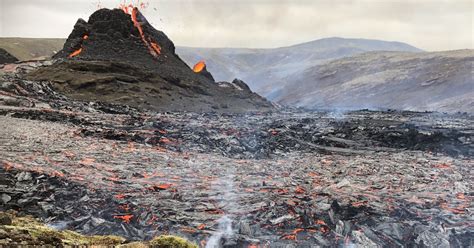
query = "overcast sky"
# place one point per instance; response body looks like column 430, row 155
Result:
column 427, row 24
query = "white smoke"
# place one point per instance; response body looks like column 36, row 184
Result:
column 58, row 225
column 227, row 199
column 224, row 230
column 337, row 114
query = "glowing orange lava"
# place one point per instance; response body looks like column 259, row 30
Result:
column 133, row 11
column 78, row 51
column 75, row 53
column 199, row 66
column 154, row 48
column 124, row 218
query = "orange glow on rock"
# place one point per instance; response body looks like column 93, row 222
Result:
column 359, row 204
column 289, row 237
column 78, row 51
column 87, row 161
column 132, row 10
column 320, row 222
column 163, row 186
column 460, row 196
column 199, row 66
column 297, row 230
column 56, row 173
column 154, row 48
column 7, row 165
column 75, row 53
column 442, row 166
column 201, row 227
column 124, row 218
column 300, row 190
column 136, row 23
column 188, row 229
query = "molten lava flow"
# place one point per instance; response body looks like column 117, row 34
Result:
column 320, row 222
column 75, row 53
column 133, row 11
column 78, row 51
column 199, row 66
column 154, row 48
column 124, row 218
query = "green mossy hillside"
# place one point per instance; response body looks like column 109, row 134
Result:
column 27, row 231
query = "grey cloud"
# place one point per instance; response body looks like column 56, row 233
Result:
column 428, row 24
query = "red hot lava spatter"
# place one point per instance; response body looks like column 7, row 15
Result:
column 128, row 7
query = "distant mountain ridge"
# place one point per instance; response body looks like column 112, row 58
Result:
column 364, row 44
column 432, row 81
column 331, row 73
column 264, row 69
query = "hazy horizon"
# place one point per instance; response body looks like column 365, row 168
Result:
column 263, row 24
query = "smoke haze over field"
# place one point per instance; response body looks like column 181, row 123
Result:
column 427, row 24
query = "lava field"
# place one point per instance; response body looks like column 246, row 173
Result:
column 116, row 135
column 285, row 178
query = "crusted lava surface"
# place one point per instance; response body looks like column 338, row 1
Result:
column 283, row 179
column 118, row 57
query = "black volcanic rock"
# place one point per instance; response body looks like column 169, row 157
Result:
column 110, row 58
column 6, row 57
column 241, row 84
column 112, row 35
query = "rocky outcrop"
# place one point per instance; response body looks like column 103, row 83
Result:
column 119, row 57
column 6, row 58
column 113, row 35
